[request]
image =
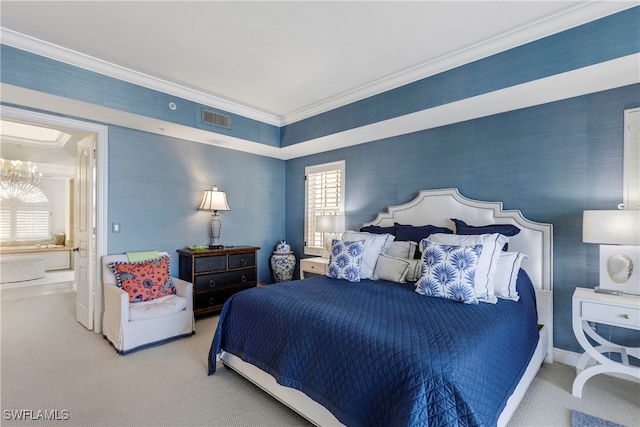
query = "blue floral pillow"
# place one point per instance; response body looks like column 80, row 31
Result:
column 345, row 260
column 448, row 271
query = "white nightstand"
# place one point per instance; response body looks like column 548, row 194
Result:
column 621, row 311
column 317, row 265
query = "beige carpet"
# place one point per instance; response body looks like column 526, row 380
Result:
column 50, row 362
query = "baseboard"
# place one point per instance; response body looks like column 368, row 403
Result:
column 565, row 357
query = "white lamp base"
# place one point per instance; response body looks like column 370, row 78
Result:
column 216, row 226
column 620, row 269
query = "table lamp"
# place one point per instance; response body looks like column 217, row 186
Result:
column 330, row 226
column 214, row 200
column 618, row 233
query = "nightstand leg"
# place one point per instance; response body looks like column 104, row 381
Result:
column 582, row 378
column 582, row 362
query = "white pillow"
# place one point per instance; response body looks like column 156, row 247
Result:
column 415, row 270
column 374, row 244
column 504, row 280
column 404, row 250
column 391, row 269
column 487, row 263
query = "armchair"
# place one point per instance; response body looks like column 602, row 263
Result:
column 134, row 326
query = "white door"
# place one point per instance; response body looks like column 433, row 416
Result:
column 84, row 231
column 631, row 182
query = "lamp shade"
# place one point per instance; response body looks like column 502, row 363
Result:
column 214, row 200
column 614, row 227
column 330, row 223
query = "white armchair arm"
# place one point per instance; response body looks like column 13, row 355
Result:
column 116, row 305
column 185, row 290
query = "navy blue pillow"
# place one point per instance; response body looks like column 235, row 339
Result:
column 375, row 229
column 504, row 229
column 417, row 233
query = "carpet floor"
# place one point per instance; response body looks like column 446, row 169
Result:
column 49, row 362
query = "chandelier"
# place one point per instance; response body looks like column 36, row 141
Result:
column 18, row 183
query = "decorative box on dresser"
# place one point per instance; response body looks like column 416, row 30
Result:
column 217, row 274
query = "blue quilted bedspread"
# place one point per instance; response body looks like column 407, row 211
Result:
column 377, row 353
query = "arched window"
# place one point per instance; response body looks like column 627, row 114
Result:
column 25, row 213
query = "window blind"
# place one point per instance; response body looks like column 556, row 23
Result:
column 32, row 224
column 324, row 195
column 5, row 225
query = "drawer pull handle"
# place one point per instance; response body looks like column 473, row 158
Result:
column 626, row 316
column 212, row 283
column 211, row 301
column 244, row 278
column 212, row 265
column 243, row 261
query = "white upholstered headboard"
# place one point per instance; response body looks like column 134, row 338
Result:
column 437, row 207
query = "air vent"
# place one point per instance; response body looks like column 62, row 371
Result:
column 216, row 119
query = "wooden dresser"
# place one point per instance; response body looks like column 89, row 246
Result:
column 217, row 274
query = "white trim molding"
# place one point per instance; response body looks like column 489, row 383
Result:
column 102, row 185
column 90, row 63
column 595, row 78
column 580, row 13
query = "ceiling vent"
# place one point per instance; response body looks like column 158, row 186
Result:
column 213, row 118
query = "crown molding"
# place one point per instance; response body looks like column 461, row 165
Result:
column 621, row 72
column 579, row 14
column 67, row 56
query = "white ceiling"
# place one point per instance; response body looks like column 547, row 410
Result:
column 284, row 61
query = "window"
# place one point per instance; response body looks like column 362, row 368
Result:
column 324, row 194
column 22, row 220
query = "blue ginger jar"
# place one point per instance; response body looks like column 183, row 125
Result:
column 283, row 262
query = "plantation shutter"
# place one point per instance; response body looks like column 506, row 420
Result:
column 32, row 224
column 5, row 225
column 324, row 195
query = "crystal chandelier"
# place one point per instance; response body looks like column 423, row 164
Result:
column 16, row 182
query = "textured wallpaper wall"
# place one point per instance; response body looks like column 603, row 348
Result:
column 551, row 162
column 156, row 184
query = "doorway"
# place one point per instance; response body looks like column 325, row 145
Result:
column 91, row 308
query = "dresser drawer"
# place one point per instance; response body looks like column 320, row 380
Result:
column 212, row 299
column 217, row 274
column 210, row 263
column 207, row 282
column 242, row 260
column 611, row 314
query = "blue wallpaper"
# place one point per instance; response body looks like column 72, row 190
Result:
column 602, row 40
column 551, row 161
column 21, row 68
column 156, row 184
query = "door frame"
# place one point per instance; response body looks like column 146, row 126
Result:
column 102, row 186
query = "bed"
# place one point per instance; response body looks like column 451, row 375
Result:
column 376, row 352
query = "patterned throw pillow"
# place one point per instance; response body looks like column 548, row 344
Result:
column 374, row 245
column 448, row 272
column 345, row 260
column 487, row 262
column 145, row 280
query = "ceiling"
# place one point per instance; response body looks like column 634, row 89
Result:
column 16, row 147
column 284, row 61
